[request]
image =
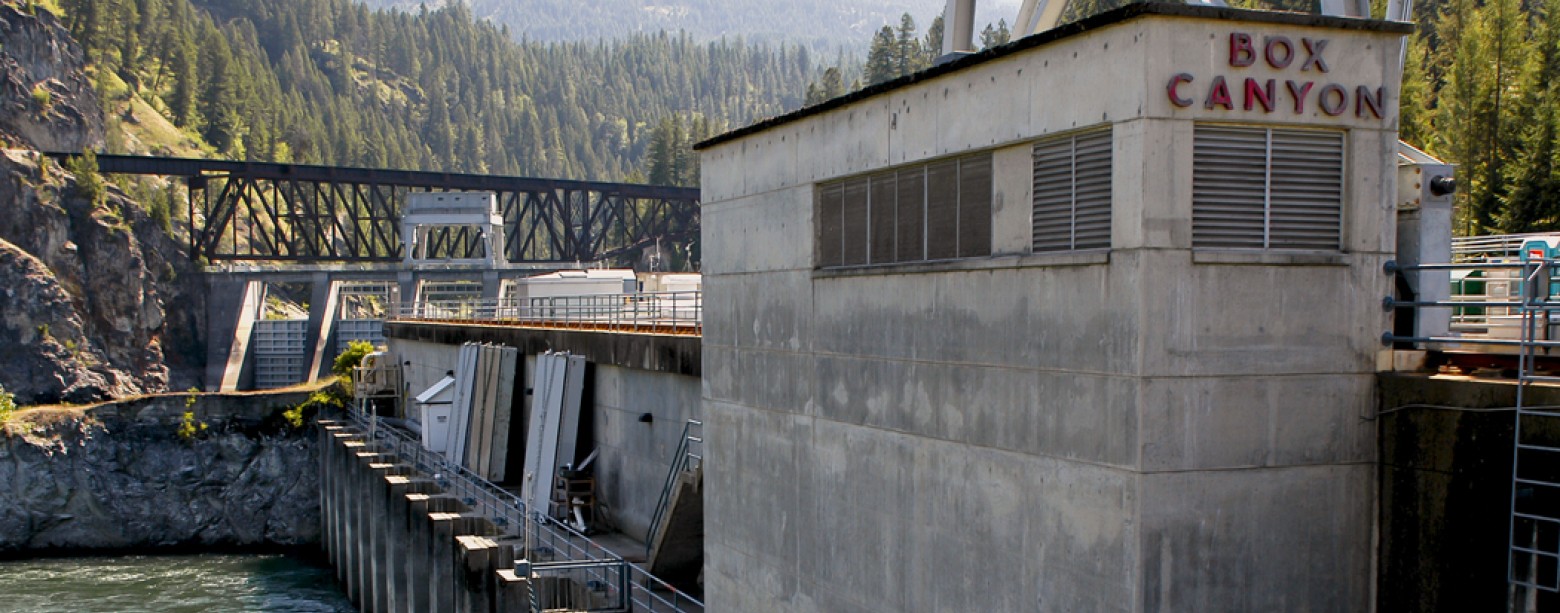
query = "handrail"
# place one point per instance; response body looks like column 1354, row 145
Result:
column 684, row 459
column 641, row 311
column 550, row 537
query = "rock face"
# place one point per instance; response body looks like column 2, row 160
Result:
column 121, row 476
column 134, row 307
column 134, row 304
column 46, row 100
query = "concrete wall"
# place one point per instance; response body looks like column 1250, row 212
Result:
column 635, row 456
column 1446, row 452
column 1149, row 428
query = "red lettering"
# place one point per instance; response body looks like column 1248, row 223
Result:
column 1313, row 49
column 1298, row 92
column 1338, row 102
column 1175, row 97
column 1219, row 95
column 1363, row 100
column 1242, row 54
column 1259, row 95
column 1272, row 44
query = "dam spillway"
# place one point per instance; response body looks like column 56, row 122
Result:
column 407, row 530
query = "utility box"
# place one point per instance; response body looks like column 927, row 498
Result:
column 1425, row 187
column 433, row 412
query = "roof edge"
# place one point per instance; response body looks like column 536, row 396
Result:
column 1112, row 17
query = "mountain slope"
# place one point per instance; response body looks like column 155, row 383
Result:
column 823, row 25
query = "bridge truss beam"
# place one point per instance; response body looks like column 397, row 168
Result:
column 267, row 212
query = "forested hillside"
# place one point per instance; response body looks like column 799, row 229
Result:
column 334, row 82
column 825, row 25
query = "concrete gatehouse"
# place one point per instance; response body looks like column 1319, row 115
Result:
column 1087, row 322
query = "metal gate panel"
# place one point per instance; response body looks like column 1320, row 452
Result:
column 279, row 352
column 348, row 330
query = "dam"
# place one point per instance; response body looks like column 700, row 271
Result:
column 1103, row 319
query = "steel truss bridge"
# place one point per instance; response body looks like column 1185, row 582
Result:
column 295, row 213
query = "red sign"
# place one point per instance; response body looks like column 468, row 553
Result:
column 1279, row 53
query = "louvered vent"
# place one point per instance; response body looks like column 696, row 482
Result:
column 1263, row 188
column 1306, row 190
column 935, row 211
column 1072, row 192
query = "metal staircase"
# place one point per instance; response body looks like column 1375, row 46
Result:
column 689, row 459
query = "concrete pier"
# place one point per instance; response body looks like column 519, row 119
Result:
column 401, row 545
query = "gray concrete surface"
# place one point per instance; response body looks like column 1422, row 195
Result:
column 1148, row 428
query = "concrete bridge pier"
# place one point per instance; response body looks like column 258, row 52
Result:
column 232, row 308
column 324, row 301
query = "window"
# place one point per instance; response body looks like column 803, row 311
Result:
column 1072, row 180
column 1267, row 188
column 935, row 211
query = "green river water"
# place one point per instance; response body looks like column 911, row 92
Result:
column 192, row 583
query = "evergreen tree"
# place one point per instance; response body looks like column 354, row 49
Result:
column 882, row 64
column 995, row 36
column 907, row 51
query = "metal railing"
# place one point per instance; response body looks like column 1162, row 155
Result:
column 1532, row 547
column 689, row 457
column 671, row 312
column 550, row 542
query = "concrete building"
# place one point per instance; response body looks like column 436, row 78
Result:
column 1084, row 323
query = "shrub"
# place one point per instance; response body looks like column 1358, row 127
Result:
column 7, row 404
column 189, row 427
column 350, row 359
column 89, row 184
column 42, row 97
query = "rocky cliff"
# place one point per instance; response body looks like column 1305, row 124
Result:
column 97, row 300
column 46, row 100
column 122, row 476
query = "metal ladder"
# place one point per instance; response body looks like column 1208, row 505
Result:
column 1534, row 543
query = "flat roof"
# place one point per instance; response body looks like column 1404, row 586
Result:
column 1112, row 17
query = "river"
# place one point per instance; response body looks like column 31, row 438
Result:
column 216, row 583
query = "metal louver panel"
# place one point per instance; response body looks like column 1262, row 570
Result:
column 1305, row 190
column 831, row 230
column 942, row 210
column 855, row 224
column 1053, row 203
column 975, row 206
column 1265, row 188
column 911, row 243
column 1229, row 185
column 884, row 210
column 1091, row 190
column 1072, row 192
column 934, row 211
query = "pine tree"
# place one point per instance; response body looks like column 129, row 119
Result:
column 881, row 64
column 1532, row 200
column 932, row 47
column 907, row 51
column 995, row 36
